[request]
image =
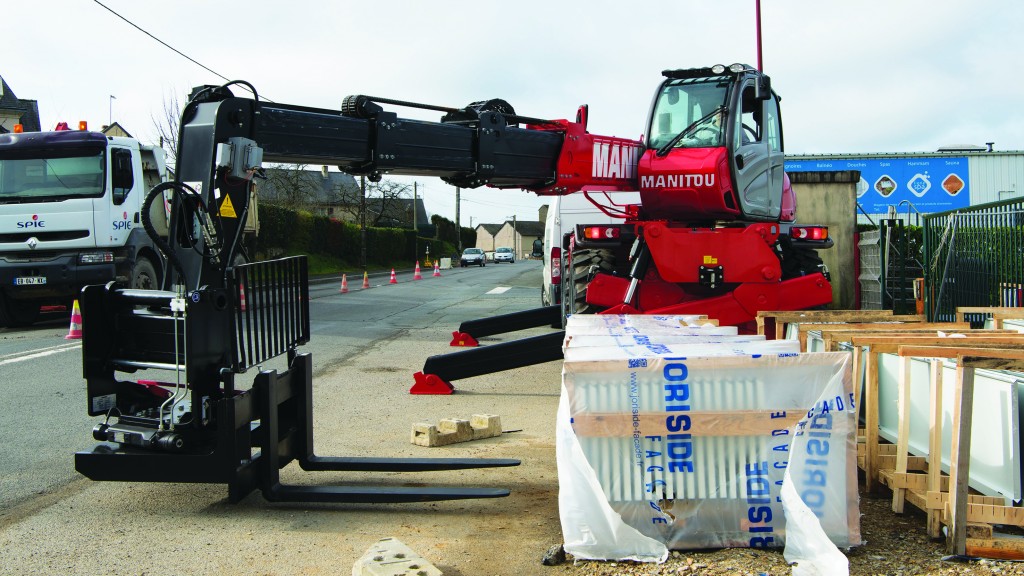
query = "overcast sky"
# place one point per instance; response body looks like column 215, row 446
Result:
column 855, row 77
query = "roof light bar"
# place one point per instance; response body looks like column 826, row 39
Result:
column 716, row 70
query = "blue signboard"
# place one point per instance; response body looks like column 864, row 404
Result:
column 930, row 184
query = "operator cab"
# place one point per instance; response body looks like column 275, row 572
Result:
column 714, row 150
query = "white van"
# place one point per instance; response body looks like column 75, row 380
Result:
column 564, row 213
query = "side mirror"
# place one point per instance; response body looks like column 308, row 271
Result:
column 581, row 115
column 763, row 88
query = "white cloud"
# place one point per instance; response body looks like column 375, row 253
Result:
column 873, row 76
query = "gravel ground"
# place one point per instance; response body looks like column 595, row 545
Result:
column 894, row 545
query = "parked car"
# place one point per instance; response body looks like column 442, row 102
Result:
column 473, row 256
column 504, row 255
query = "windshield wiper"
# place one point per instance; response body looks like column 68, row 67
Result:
column 32, row 199
column 664, row 150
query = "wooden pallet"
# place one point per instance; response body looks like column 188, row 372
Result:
column 997, row 313
column 970, row 518
column 876, row 344
column 774, row 322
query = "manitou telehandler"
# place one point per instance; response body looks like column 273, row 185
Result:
column 707, row 237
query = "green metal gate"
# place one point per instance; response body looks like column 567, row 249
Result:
column 974, row 257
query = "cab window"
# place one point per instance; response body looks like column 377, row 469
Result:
column 750, row 127
column 121, row 177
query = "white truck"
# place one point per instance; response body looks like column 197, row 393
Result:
column 69, row 216
column 564, row 213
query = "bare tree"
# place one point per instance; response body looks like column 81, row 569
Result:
column 293, row 186
column 386, row 203
column 166, row 126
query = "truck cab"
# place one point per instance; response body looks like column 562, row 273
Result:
column 69, row 216
column 715, row 150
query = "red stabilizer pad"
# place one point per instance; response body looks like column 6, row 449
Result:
column 463, row 339
column 155, row 388
column 430, row 384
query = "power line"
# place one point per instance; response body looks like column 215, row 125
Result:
column 179, row 52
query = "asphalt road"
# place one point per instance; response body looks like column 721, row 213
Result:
column 365, row 346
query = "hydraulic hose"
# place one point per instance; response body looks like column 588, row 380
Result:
column 147, row 225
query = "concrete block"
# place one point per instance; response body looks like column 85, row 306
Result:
column 390, row 557
column 452, row 430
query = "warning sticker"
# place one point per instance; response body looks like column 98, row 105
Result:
column 227, row 209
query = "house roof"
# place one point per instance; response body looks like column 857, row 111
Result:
column 491, row 229
column 528, row 227
column 325, row 194
column 27, row 110
column 115, row 129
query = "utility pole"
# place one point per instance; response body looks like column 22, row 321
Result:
column 362, row 220
column 458, row 226
column 515, row 234
column 515, row 238
column 415, row 228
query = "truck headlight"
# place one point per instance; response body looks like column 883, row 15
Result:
column 96, row 258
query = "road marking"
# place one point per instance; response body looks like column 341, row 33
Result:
column 500, row 290
column 42, row 352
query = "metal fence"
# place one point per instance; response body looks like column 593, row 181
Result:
column 271, row 310
column 974, row 257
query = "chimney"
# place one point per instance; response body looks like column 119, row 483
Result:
column 989, row 144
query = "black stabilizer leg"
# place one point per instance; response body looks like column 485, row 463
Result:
column 496, row 357
column 471, row 331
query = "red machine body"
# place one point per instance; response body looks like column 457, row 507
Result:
column 712, row 232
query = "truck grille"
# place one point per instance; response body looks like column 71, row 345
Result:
column 22, row 237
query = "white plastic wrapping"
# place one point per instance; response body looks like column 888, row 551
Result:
column 686, row 447
column 640, row 320
column 656, row 339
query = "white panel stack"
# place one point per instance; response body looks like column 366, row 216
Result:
column 687, row 442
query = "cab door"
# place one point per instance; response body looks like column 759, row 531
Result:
column 115, row 221
column 757, row 159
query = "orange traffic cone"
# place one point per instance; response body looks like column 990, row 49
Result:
column 241, row 297
column 393, row 279
column 75, row 333
column 437, row 269
column 416, row 275
column 344, row 284
column 366, row 280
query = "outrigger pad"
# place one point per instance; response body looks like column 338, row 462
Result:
column 463, row 339
column 430, row 384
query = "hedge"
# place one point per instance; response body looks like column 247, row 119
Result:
column 296, row 232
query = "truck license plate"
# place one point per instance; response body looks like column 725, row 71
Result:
column 29, row 280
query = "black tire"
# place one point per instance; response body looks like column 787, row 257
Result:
column 585, row 264
column 799, row 261
column 18, row 313
column 144, row 275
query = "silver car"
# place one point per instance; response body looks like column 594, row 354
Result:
column 504, row 255
column 473, row 256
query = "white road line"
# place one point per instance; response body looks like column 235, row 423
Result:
column 32, row 355
column 500, row 290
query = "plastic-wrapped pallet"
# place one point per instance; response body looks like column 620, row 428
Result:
column 640, row 321
column 626, row 329
column 654, row 339
column 687, row 446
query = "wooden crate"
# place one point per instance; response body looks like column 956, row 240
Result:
column 946, row 499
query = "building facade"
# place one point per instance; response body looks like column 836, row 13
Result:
column 923, row 182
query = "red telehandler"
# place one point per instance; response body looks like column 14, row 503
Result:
column 709, row 236
column 713, row 233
